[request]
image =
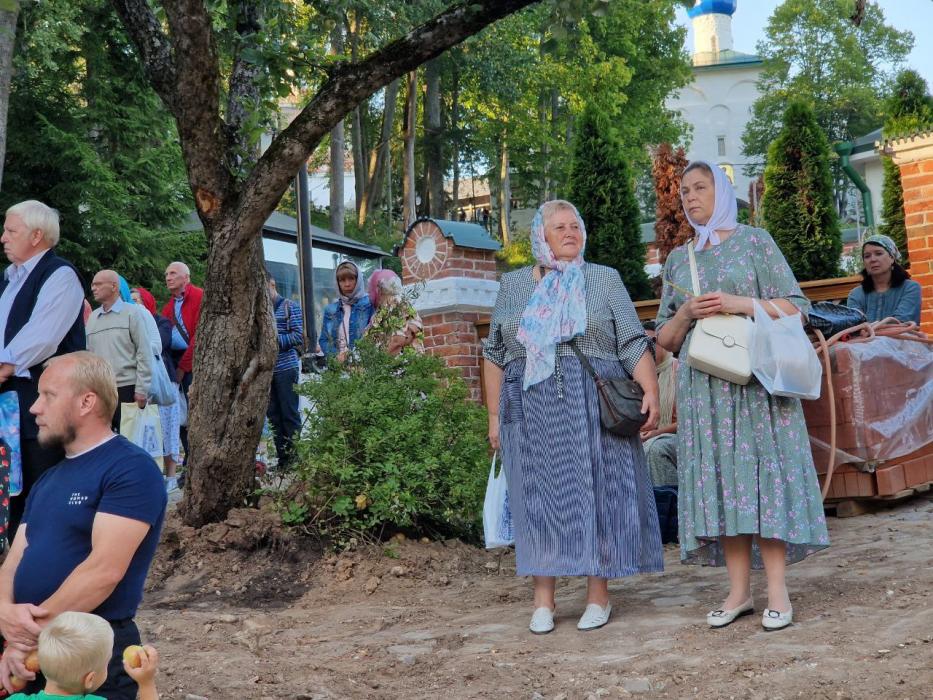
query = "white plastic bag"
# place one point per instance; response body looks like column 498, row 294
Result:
column 497, row 518
column 783, row 358
column 143, row 427
column 182, row 408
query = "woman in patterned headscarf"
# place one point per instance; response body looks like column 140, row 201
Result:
column 580, row 497
column 886, row 290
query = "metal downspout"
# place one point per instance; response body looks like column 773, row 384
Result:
column 844, row 149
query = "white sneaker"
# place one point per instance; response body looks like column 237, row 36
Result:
column 721, row 618
column 171, row 484
column 542, row 621
column 594, row 617
column 773, row 620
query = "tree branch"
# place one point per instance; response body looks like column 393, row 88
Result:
column 347, row 86
column 243, row 93
column 154, row 47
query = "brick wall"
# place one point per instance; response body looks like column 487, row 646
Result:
column 917, row 180
column 452, row 335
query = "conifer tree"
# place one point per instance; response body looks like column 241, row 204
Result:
column 798, row 201
column 602, row 188
column 671, row 227
column 909, row 108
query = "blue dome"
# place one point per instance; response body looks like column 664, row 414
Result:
column 709, row 7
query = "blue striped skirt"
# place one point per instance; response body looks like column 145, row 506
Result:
column 581, row 498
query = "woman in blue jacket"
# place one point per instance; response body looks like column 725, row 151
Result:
column 346, row 319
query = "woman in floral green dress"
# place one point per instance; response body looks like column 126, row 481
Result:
column 748, row 493
column 395, row 325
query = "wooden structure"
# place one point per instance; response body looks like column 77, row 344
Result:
column 817, row 290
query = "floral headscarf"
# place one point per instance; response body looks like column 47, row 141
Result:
column 384, row 279
column 556, row 311
column 886, row 242
column 359, row 291
column 725, row 209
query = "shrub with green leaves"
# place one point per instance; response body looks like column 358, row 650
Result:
column 798, row 205
column 392, row 442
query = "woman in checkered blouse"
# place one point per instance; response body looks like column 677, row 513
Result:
column 581, row 498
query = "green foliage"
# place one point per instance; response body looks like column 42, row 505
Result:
column 908, row 109
column 515, row 255
column 798, row 200
column 813, row 51
column 602, row 188
column 393, row 441
column 88, row 136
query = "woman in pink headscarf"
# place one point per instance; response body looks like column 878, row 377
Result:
column 395, row 325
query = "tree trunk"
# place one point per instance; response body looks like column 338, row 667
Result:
column 337, row 155
column 505, row 193
column 409, row 206
column 455, row 144
column 357, row 137
column 234, row 357
column 9, row 11
column 433, row 140
column 372, row 195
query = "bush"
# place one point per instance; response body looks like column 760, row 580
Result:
column 392, row 442
column 602, row 188
column 515, row 254
column 798, row 205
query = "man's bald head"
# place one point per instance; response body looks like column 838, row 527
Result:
column 177, row 276
column 106, row 287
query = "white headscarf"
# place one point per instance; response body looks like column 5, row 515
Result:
column 725, row 209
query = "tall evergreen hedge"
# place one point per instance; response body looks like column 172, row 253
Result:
column 602, row 188
column 799, row 211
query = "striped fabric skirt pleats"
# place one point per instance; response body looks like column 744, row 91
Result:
column 582, row 500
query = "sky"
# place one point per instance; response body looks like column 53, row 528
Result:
column 751, row 17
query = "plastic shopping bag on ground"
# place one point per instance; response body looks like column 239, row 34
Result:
column 783, row 358
column 497, row 518
column 142, row 427
column 9, row 433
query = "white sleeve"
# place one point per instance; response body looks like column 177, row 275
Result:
column 57, row 306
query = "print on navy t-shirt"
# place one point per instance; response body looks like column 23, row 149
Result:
column 116, row 477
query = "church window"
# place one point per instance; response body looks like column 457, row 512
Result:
column 721, row 145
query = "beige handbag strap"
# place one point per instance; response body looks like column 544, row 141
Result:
column 694, row 276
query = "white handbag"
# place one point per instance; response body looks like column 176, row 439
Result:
column 720, row 345
column 497, row 517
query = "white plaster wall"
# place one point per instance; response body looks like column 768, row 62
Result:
column 719, row 103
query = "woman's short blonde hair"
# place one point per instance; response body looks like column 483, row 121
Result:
column 548, row 209
column 37, row 215
column 73, row 645
column 92, row 373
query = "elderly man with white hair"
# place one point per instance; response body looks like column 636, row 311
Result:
column 41, row 304
column 183, row 310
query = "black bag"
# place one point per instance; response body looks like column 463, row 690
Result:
column 829, row 318
column 619, row 400
column 665, row 499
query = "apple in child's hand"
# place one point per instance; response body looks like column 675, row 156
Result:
column 17, row 683
column 32, row 662
column 131, row 656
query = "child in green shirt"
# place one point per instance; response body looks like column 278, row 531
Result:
column 74, row 651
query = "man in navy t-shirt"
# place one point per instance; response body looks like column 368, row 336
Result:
column 91, row 525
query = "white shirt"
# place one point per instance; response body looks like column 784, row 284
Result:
column 56, row 309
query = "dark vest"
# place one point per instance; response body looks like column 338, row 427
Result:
column 20, row 312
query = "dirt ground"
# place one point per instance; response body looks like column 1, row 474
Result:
column 443, row 619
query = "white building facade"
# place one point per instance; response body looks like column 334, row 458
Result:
column 718, row 103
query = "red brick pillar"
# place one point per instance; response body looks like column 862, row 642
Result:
column 451, row 266
column 914, row 156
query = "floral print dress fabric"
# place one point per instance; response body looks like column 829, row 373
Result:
column 744, row 458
